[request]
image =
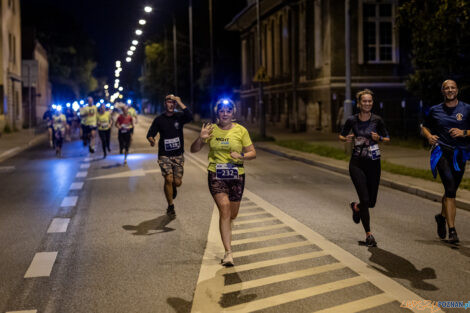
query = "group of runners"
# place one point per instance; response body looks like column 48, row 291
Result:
column 92, row 118
column 230, row 145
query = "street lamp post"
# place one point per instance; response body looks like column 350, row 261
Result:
column 191, row 64
column 175, row 60
column 212, row 59
column 262, row 115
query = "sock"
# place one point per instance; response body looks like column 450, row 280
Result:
column 451, row 229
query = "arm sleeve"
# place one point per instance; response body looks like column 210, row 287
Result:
column 430, row 122
column 246, row 140
column 187, row 116
column 346, row 128
column 153, row 130
column 381, row 130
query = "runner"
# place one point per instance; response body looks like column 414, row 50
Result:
column 170, row 146
column 368, row 130
column 446, row 128
column 230, row 145
column 124, row 124
column 47, row 117
column 104, row 128
column 89, row 114
column 68, row 130
column 59, row 124
column 83, row 129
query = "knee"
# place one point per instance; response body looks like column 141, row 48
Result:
column 177, row 182
column 169, row 179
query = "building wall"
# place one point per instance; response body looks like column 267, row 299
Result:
column 10, row 64
column 303, row 51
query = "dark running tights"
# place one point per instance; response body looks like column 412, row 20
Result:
column 105, row 138
column 365, row 175
column 124, row 141
column 450, row 177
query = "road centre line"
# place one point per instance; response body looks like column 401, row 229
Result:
column 263, row 238
column 85, row 166
column 69, row 201
column 41, row 265
column 282, row 277
column 296, row 295
column 81, row 174
column 359, row 305
column 271, row 262
column 59, row 225
column 76, row 186
column 88, row 159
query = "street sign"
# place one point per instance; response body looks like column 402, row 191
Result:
column 261, row 76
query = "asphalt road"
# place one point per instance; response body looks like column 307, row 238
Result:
column 120, row 253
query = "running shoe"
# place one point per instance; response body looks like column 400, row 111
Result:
column 228, row 259
column 175, row 192
column 356, row 215
column 170, row 211
column 370, row 241
column 441, row 226
column 453, row 238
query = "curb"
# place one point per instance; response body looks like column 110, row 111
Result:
column 420, row 192
column 14, row 151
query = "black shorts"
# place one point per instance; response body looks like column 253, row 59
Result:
column 90, row 128
column 233, row 187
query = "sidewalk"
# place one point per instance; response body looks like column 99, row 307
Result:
column 14, row 143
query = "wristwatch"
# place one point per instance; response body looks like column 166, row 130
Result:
column 243, row 155
column 465, row 133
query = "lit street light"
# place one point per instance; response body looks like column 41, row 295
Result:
column 120, row 88
column 142, row 22
column 128, row 59
column 148, row 9
column 106, row 86
column 135, row 42
column 129, row 53
column 138, row 32
column 118, row 63
column 132, row 48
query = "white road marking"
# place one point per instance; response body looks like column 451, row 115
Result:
column 263, row 238
column 6, row 169
column 256, row 229
column 76, row 186
column 28, row 311
column 88, row 159
column 82, row 174
column 255, row 221
column 41, row 265
column 59, row 225
column 134, row 173
column 359, row 305
column 69, row 201
column 85, row 166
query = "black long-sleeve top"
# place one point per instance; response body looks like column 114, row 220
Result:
column 171, row 142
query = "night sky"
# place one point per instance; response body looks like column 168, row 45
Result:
column 110, row 24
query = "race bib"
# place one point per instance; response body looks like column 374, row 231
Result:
column 374, row 152
column 104, row 125
column 226, row 171
column 172, row 144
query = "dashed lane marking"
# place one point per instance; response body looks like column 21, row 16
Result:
column 133, row 173
column 69, row 201
column 85, row 166
column 76, row 186
column 82, row 174
column 59, row 225
column 88, row 159
column 41, row 265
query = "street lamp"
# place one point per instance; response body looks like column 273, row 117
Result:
column 128, row 59
column 142, row 22
column 118, row 63
column 148, row 9
column 120, row 88
column 135, row 42
column 132, row 48
column 130, row 53
column 106, row 86
column 138, row 32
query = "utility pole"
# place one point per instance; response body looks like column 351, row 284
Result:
column 262, row 115
column 191, row 62
column 212, row 59
column 175, row 60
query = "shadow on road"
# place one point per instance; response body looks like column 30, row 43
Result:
column 180, row 305
column 147, row 228
column 465, row 251
column 107, row 167
column 397, row 267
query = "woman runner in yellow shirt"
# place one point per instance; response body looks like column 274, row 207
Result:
column 229, row 145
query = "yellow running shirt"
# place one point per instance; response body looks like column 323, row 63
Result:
column 132, row 112
column 222, row 142
column 104, row 120
column 90, row 119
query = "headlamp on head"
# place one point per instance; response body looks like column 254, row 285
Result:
column 224, row 102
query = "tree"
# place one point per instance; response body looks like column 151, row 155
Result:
column 157, row 79
column 440, row 40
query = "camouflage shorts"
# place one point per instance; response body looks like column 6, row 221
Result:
column 171, row 165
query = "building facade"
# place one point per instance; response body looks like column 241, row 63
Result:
column 37, row 96
column 303, row 52
column 10, row 65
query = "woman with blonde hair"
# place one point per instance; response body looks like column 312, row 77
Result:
column 366, row 130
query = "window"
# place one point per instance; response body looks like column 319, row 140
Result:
column 376, row 32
